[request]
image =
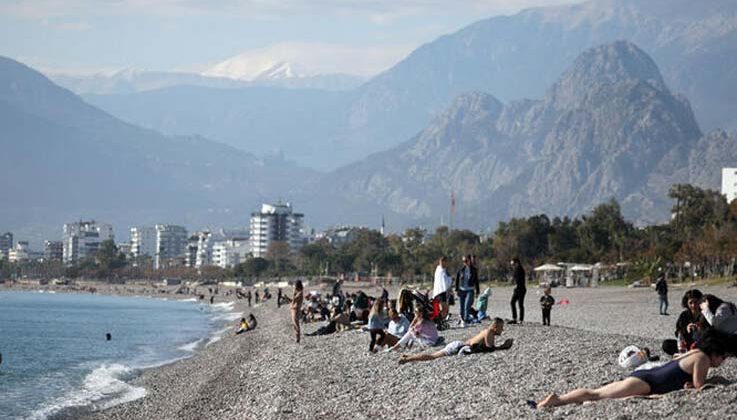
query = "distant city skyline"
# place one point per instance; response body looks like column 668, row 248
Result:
column 322, row 36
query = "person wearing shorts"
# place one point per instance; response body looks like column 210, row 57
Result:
column 481, row 342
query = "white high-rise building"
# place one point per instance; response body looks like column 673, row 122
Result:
column 729, row 183
column 82, row 239
column 171, row 243
column 229, row 253
column 275, row 223
column 143, row 241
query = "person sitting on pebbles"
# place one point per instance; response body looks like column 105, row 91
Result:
column 687, row 371
column 481, row 343
column 421, row 331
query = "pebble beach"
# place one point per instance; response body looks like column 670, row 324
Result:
column 264, row 374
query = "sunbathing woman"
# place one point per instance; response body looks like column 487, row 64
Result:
column 688, row 371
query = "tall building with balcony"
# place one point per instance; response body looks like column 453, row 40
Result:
column 171, row 244
column 729, row 183
column 230, row 252
column 6, row 243
column 143, row 241
column 275, row 223
column 82, row 239
column 53, row 251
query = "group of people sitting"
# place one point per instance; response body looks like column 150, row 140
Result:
column 246, row 324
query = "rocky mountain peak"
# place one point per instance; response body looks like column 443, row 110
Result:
column 598, row 69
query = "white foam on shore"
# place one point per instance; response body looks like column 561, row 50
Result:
column 102, row 388
column 217, row 336
column 191, row 347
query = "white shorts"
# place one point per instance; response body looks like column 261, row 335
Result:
column 452, row 348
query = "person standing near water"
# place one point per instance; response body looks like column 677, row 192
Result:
column 278, row 297
column 520, row 289
column 295, row 306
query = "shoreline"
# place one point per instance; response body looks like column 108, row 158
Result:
column 221, row 317
column 263, row 374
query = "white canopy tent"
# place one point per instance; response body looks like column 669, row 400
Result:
column 551, row 274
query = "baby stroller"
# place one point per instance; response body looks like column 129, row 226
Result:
column 432, row 308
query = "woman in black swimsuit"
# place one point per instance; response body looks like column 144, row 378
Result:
column 688, row 371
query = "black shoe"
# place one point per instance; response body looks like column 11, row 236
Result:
column 514, row 321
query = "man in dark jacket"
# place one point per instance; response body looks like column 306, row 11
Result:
column 520, row 289
column 662, row 288
column 467, row 281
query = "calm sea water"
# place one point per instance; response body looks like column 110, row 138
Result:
column 56, row 356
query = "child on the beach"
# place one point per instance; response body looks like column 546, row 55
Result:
column 376, row 324
column 546, row 302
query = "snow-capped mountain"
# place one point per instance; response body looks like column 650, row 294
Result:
column 248, row 67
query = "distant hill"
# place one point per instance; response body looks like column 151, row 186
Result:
column 608, row 128
column 510, row 57
column 63, row 159
column 132, row 81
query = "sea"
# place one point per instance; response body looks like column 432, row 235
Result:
column 57, row 359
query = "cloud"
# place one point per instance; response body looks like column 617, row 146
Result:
column 310, row 58
column 376, row 11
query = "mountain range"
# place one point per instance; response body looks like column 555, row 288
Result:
column 609, row 125
column 512, row 57
column 66, row 160
column 133, row 80
column 608, row 128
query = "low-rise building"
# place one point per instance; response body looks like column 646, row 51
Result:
column 20, row 252
column 729, row 183
column 229, row 253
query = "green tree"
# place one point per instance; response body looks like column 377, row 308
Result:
column 252, row 267
column 603, row 233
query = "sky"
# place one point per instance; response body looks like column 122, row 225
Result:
column 361, row 37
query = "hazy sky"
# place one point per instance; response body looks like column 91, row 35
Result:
column 85, row 36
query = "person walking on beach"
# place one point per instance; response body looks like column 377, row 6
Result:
column 295, row 306
column 278, row 297
column 661, row 286
column 467, row 281
column 248, row 296
column 258, row 298
column 441, row 285
column 520, row 289
column 546, row 302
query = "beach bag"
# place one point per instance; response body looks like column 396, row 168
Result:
column 631, row 357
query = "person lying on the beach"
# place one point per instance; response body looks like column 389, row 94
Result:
column 481, row 343
column 687, row 371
